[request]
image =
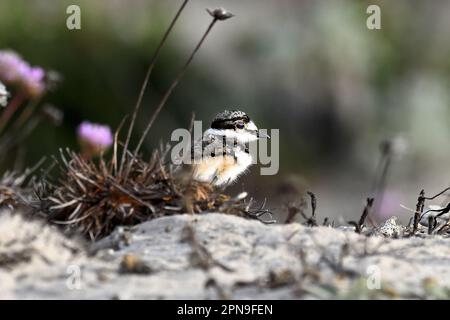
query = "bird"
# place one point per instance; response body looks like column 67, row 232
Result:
column 222, row 154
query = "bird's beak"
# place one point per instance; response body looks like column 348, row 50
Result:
column 262, row 135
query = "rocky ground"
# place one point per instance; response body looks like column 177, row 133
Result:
column 213, row 256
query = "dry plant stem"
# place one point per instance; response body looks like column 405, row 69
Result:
column 312, row 220
column 381, row 186
column 26, row 131
column 113, row 168
column 433, row 220
column 27, row 112
column 438, row 194
column 191, row 124
column 431, row 225
column 365, row 214
column 145, row 83
column 419, row 210
column 447, row 198
column 313, row 203
column 445, row 227
column 380, row 181
column 11, row 109
column 170, row 90
column 13, row 138
column 419, row 213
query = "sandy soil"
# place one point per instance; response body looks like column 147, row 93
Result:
column 213, row 256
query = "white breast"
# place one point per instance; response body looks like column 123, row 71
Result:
column 231, row 173
column 222, row 170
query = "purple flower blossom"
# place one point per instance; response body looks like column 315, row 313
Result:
column 95, row 135
column 11, row 66
column 14, row 70
column 35, row 80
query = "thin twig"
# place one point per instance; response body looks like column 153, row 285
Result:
column 145, row 83
column 365, row 212
column 360, row 224
column 171, row 88
column 191, row 124
column 437, row 195
column 11, row 109
column 419, row 210
column 380, row 181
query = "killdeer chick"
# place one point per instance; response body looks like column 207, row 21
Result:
column 222, row 154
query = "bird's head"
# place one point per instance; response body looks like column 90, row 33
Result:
column 235, row 124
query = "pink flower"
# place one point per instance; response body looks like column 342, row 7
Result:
column 11, row 66
column 95, row 134
column 35, row 81
column 94, row 138
column 14, row 70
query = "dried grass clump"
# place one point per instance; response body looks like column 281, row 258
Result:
column 93, row 197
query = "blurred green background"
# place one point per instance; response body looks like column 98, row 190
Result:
column 334, row 88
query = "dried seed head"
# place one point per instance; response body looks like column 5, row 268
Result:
column 220, row 14
column 52, row 79
column 53, row 114
column 395, row 146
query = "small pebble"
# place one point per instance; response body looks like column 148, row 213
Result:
column 133, row 264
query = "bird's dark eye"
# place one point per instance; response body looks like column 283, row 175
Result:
column 240, row 125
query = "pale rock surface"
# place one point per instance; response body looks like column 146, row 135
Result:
column 213, row 256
